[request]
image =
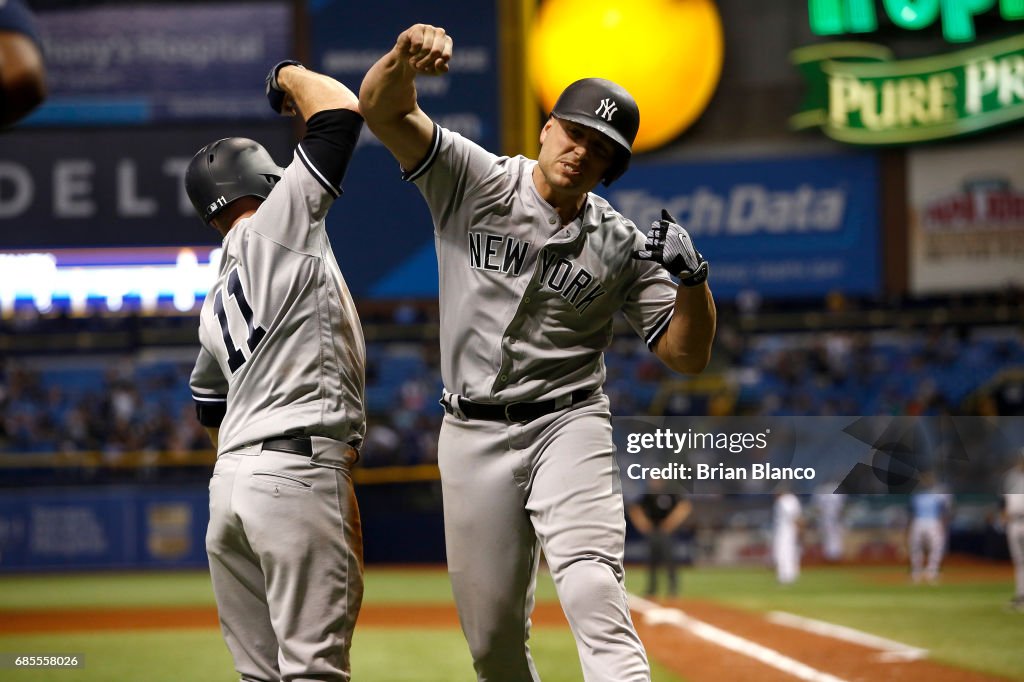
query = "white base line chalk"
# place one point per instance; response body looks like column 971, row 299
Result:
column 655, row 614
column 891, row 650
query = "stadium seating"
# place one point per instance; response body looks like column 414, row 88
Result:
column 108, row 401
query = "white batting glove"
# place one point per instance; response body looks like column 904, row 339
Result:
column 669, row 244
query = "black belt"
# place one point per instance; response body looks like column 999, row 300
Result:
column 298, row 445
column 517, row 413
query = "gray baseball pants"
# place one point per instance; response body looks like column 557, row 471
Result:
column 1015, row 539
column 927, row 536
column 512, row 490
column 285, row 550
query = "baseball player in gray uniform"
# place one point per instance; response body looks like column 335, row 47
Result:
column 532, row 267
column 279, row 383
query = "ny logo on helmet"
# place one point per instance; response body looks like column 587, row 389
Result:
column 607, row 108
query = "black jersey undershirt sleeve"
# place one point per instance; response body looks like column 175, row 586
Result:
column 327, row 146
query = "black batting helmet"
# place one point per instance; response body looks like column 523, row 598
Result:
column 607, row 108
column 229, row 169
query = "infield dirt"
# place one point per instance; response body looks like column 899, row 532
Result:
column 676, row 648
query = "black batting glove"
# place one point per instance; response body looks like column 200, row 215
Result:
column 275, row 95
column 671, row 246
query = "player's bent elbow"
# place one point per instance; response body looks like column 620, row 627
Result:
column 693, row 365
column 385, row 123
column 686, row 363
column 369, row 105
column 379, row 123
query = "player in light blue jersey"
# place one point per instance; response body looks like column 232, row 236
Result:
column 930, row 510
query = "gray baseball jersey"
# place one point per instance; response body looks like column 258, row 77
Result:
column 526, row 307
column 282, row 352
column 281, row 340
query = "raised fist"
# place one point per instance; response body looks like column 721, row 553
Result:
column 669, row 244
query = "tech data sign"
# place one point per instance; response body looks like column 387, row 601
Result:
column 858, row 93
column 783, row 227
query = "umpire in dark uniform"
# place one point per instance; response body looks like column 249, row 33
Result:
column 658, row 514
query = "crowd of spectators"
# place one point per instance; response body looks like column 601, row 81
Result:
column 136, row 408
column 936, row 371
column 118, row 416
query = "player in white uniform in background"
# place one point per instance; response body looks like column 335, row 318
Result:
column 279, row 383
column 1013, row 516
column 828, row 508
column 786, row 525
column 930, row 511
column 532, row 267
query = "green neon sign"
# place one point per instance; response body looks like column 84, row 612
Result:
column 857, row 93
column 836, row 17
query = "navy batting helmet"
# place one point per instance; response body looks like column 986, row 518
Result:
column 607, row 108
column 229, row 169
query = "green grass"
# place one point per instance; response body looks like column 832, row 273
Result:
column 113, row 590
column 554, row 649
column 192, row 588
column 426, row 586
column 157, row 655
column 408, row 654
column 961, row 623
column 416, row 655
column 390, row 655
column 413, row 655
column 407, row 586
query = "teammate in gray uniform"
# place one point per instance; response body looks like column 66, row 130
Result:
column 279, row 383
column 532, row 267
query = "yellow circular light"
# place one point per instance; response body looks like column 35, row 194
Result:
column 666, row 53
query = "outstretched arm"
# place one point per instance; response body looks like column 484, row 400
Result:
column 387, row 96
column 307, row 93
column 333, row 123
